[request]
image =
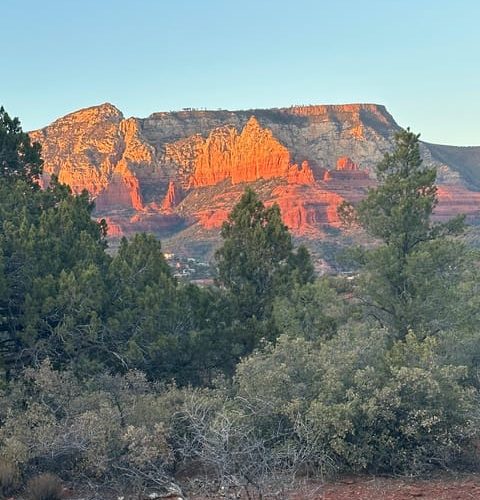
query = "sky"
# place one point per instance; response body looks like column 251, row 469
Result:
column 420, row 58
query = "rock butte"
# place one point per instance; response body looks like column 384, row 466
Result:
column 181, row 172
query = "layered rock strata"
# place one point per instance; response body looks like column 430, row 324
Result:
column 181, row 170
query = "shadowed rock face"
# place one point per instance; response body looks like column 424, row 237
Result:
column 172, row 198
column 184, row 171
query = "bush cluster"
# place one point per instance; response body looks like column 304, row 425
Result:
column 294, row 408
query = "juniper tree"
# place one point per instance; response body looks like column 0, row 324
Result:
column 412, row 275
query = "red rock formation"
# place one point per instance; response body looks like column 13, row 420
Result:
column 246, row 157
column 455, row 199
column 182, row 155
column 123, row 191
column 172, row 197
column 258, row 155
column 302, row 175
column 136, row 151
column 306, row 208
column 204, row 157
column 213, row 219
column 346, row 171
column 346, row 163
column 97, row 150
column 215, row 158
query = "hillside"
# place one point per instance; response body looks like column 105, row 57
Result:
column 178, row 174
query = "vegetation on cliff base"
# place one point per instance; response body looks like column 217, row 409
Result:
column 113, row 372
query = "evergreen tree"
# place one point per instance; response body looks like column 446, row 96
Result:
column 411, row 277
column 19, row 159
column 255, row 264
column 48, row 239
column 141, row 317
column 255, row 252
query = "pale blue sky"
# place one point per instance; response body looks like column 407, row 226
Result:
column 421, row 58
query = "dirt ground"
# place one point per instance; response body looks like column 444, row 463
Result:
column 368, row 488
column 444, row 487
column 378, row 488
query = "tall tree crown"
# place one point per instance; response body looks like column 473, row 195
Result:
column 412, row 249
column 19, row 158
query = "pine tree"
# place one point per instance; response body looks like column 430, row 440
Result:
column 411, row 274
column 48, row 241
column 19, row 159
column 255, row 252
column 257, row 263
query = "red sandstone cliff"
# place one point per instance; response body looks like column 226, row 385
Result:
column 173, row 171
column 346, row 163
column 172, row 198
column 245, row 156
column 97, row 150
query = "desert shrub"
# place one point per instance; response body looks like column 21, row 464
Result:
column 9, row 478
column 462, row 347
column 108, row 429
column 361, row 403
column 274, row 388
column 406, row 413
column 219, row 440
column 44, row 487
column 311, row 311
column 355, row 401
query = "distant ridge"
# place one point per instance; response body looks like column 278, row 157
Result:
column 179, row 173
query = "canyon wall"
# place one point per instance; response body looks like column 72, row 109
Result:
column 182, row 172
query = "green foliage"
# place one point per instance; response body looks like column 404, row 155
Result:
column 52, row 260
column 399, row 211
column 109, row 426
column 49, row 242
column 312, row 311
column 256, row 264
column 167, row 330
column 19, row 159
column 254, row 254
column 411, row 279
column 369, row 407
column 406, row 413
column 144, row 315
column 210, row 346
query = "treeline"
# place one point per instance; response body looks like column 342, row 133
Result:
column 113, row 372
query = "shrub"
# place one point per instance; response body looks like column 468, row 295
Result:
column 361, row 402
column 44, row 487
column 405, row 414
column 9, row 478
column 113, row 428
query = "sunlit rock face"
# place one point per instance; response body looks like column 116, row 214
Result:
column 245, row 156
column 300, row 175
column 346, row 164
column 456, row 199
column 180, row 173
column 306, row 209
column 98, row 150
